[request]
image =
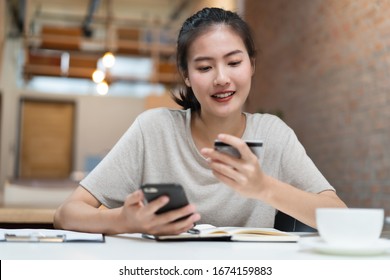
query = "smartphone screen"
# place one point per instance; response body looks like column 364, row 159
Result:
column 254, row 146
column 175, row 192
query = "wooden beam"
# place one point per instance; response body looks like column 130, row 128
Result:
column 55, row 71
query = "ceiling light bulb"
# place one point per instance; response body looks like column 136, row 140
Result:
column 98, row 76
column 108, row 60
column 102, row 88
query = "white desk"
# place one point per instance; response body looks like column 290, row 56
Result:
column 133, row 247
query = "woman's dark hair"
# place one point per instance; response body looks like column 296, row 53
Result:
column 195, row 26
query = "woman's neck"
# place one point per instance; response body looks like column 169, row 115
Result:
column 205, row 129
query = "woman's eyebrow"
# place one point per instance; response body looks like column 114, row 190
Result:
column 205, row 58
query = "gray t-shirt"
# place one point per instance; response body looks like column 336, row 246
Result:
column 158, row 148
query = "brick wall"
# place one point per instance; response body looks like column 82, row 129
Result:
column 325, row 65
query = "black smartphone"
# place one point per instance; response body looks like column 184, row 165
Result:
column 175, row 192
column 254, row 146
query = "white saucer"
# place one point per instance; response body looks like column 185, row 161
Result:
column 317, row 244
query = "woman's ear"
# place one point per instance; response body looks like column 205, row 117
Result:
column 253, row 62
column 185, row 78
column 187, row 81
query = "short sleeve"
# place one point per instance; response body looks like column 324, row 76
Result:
column 298, row 169
column 120, row 171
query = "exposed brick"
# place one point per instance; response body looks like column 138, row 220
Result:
column 325, row 64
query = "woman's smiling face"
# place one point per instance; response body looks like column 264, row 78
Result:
column 219, row 71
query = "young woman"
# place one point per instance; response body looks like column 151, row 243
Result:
column 216, row 58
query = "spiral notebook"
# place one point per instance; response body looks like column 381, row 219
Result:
column 205, row 232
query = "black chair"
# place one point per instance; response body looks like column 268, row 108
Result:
column 285, row 222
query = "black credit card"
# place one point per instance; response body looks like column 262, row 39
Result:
column 254, row 146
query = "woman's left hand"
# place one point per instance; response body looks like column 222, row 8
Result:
column 242, row 174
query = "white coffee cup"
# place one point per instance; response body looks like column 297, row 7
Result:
column 350, row 226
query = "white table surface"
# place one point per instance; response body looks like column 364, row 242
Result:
column 133, row 247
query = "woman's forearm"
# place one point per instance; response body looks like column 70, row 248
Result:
column 297, row 203
column 80, row 216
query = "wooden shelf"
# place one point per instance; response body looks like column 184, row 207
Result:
column 48, row 63
column 26, row 215
column 14, row 218
column 43, row 53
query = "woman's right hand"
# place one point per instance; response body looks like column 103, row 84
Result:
column 138, row 217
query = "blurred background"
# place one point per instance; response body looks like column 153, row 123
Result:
column 75, row 74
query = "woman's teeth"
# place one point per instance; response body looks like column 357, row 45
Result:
column 223, row 95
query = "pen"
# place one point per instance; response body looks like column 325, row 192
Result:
column 193, row 231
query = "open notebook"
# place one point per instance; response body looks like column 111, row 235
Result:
column 205, row 232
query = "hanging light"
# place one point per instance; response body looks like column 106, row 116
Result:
column 108, row 60
column 102, row 88
column 98, row 76
column 102, row 74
